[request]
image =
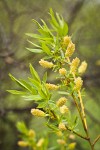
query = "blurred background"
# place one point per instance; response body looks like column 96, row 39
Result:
column 83, row 18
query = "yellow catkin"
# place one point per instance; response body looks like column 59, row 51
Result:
column 61, row 142
column 62, row 71
column 72, row 146
column 22, row 143
column 70, row 50
column 74, row 65
column 64, row 109
column 52, row 86
column 78, row 83
column 62, row 126
column 82, row 67
column 72, row 136
column 40, row 142
column 38, row 113
column 61, row 101
column 46, row 64
column 31, row 133
column 59, row 133
column 66, row 40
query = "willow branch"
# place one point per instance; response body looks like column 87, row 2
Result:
column 83, row 137
column 98, row 137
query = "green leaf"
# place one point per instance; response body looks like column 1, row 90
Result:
column 16, row 92
column 35, row 83
column 45, row 77
column 34, row 50
column 34, row 44
column 22, row 127
column 32, row 97
column 53, row 19
column 20, row 83
column 46, row 49
column 42, row 105
column 63, row 93
column 34, row 73
column 52, row 105
column 37, row 23
column 28, row 86
column 52, row 126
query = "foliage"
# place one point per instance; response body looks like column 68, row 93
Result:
column 58, row 49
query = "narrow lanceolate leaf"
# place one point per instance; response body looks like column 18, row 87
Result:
column 28, row 86
column 32, row 97
column 19, row 82
column 34, row 50
column 53, row 19
column 34, row 73
column 37, row 23
column 16, row 92
column 45, row 48
column 22, row 127
column 45, row 77
column 34, row 44
column 63, row 93
column 35, row 83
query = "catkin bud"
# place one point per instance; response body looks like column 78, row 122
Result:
column 62, row 126
column 61, row 142
column 31, row 133
column 40, row 142
column 46, row 64
column 82, row 67
column 78, row 83
column 61, row 101
column 74, row 65
column 64, row 109
column 70, row 50
column 52, row 86
column 72, row 136
column 62, row 71
column 59, row 133
column 38, row 113
column 72, row 146
column 66, row 40
column 23, row 143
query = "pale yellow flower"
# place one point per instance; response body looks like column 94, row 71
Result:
column 74, row 65
column 62, row 71
column 72, row 136
column 61, row 141
column 38, row 113
column 64, row 109
column 40, row 142
column 59, row 133
column 72, row 146
column 66, row 40
column 62, row 126
column 23, row 143
column 31, row 133
column 61, row 101
column 70, row 50
column 52, row 86
column 78, row 83
column 46, row 64
column 82, row 67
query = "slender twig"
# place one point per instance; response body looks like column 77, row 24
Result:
column 83, row 112
column 83, row 137
column 97, row 138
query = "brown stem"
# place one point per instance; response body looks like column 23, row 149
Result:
column 97, row 138
column 83, row 137
column 77, row 106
